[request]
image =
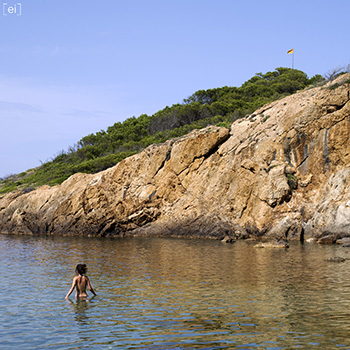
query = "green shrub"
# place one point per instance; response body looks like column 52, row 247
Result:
column 292, row 181
column 219, row 106
column 334, row 86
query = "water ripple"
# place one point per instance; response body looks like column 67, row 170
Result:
column 172, row 294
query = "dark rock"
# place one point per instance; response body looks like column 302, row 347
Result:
column 228, row 239
column 280, row 243
column 330, row 239
column 343, row 241
column 336, row 259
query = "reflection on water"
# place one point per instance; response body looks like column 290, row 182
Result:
column 173, row 294
column 80, row 306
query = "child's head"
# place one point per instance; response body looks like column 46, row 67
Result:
column 81, row 269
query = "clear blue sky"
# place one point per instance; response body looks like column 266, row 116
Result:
column 71, row 68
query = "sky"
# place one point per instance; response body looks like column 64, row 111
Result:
column 72, row 68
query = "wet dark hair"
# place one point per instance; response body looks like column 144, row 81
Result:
column 81, row 269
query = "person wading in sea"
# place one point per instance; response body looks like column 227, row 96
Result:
column 80, row 282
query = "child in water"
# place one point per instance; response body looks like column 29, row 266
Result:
column 80, row 282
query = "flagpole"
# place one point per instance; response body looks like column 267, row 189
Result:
column 292, row 52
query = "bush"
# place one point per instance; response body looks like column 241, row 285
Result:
column 219, row 106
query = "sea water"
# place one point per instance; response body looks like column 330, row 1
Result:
column 156, row 293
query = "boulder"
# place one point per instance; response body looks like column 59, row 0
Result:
column 329, row 239
column 228, row 239
column 336, row 259
column 275, row 244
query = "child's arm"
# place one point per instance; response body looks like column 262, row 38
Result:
column 72, row 288
column 90, row 287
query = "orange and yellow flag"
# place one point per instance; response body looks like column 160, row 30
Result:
column 290, row 51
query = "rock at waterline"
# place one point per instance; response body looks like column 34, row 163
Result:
column 329, row 239
column 345, row 241
column 228, row 239
column 336, row 259
column 278, row 244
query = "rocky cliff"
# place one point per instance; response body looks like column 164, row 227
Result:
column 283, row 171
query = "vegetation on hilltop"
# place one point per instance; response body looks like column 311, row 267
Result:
column 219, row 106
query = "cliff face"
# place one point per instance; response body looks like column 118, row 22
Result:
column 283, row 171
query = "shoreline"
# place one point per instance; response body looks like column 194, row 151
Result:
column 261, row 242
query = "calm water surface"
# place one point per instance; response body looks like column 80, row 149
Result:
column 172, row 294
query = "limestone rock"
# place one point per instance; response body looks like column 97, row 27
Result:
column 329, row 239
column 228, row 239
column 286, row 176
column 277, row 244
column 336, row 259
column 345, row 241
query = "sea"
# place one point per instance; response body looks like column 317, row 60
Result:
column 166, row 293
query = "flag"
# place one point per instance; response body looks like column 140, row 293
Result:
column 290, row 51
